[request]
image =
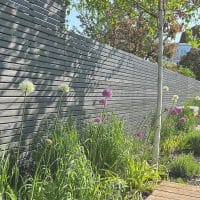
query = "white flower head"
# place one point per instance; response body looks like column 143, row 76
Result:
column 27, row 86
column 63, row 88
column 197, row 98
column 166, row 88
column 175, row 98
column 48, row 141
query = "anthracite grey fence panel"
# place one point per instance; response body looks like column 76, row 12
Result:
column 34, row 45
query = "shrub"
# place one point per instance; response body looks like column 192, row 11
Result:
column 179, row 120
column 140, row 175
column 193, row 102
column 171, row 66
column 186, row 72
column 171, row 144
column 184, row 166
column 191, row 143
column 191, row 60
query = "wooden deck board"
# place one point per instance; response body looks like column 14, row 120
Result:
column 175, row 191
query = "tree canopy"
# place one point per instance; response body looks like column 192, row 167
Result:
column 192, row 61
column 132, row 25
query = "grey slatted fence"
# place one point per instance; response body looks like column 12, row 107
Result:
column 34, row 45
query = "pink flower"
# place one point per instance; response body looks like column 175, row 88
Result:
column 174, row 111
column 139, row 134
column 179, row 110
column 103, row 101
column 183, row 119
column 98, row 120
column 107, row 93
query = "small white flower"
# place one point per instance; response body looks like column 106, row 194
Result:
column 166, row 88
column 175, row 98
column 197, row 98
column 27, row 86
column 48, row 141
column 63, row 88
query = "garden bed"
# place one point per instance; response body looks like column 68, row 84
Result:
column 101, row 160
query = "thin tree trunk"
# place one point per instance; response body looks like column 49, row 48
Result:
column 160, row 81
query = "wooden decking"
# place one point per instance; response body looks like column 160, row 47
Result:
column 175, row 191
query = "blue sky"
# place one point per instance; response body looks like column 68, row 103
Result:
column 74, row 21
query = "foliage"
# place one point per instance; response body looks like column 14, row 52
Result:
column 184, row 166
column 186, row 72
column 140, row 175
column 192, row 36
column 170, row 145
column 109, row 148
column 194, row 102
column 66, row 169
column 178, row 121
column 192, row 61
column 6, row 190
column 105, row 143
column 132, row 25
column 191, row 143
column 171, row 67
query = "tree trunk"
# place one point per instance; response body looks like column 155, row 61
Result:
column 160, row 81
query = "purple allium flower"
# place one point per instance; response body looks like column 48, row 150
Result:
column 103, row 101
column 98, row 120
column 174, row 111
column 107, row 93
column 139, row 134
column 183, row 119
column 179, row 110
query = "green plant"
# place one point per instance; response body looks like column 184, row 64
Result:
column 171, row 144
column 111, row 187
column 6, row 190
column 168, row 128
column 191, row 143
column 191, row 60
column 193, row 102
column 171, row 67
column 62, row 167
column 105, row 143
column 179, row 120
column 140, row 175
column 184, row 166
column 186, row 72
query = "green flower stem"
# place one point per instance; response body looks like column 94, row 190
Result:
column 16, row 167
column 59, row 105
column 58, row 110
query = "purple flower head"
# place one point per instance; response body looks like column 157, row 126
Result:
column 98, row 120
column 183, row 119
column 107, row 93
column 179, row 110
column 103, row 101
column 138, row 134
column 174, row 111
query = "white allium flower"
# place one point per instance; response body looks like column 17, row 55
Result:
column 166, row 88
column 175, row 98
column 63, row 88
column 197, row 98
column 48, row 141
column 27, row 86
